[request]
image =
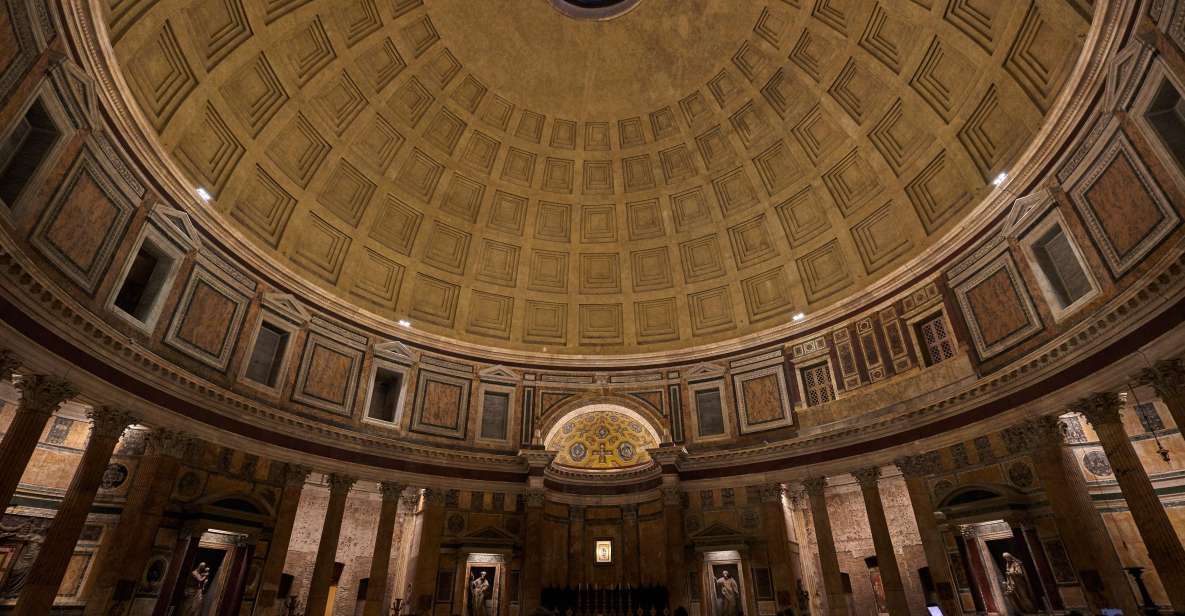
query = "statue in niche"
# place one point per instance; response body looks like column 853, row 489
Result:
column 728, row 594
column 195, row 590
column 479, row 590
column 1016, row 586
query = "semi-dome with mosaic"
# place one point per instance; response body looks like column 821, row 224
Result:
column 501, row 174
column 602, row 437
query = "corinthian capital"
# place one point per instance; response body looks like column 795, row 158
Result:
column 109, row 422
column 1166, row 376
column 296, row 474
column 920, row 465
column 391, row 490
column 1099, row 408
column 1033, row 434
column 341, row 483
column 868, row 476
column 9, row 363
column 815, row 486
column 772, row 493
column 42, row 394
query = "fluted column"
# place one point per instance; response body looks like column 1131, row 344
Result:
column 428, row 552
column 882, row 540
column 534, row 552
column 777, row 541
column 1083, row 532
column 376, row 589
column 339, row 490
column 1167, row 378
column 107, row 425
column 1161, row 541
column 828, row 560
column 915, row 469
column 295, row 477
column 676, row 568
column 125, row 554
column 40, row 397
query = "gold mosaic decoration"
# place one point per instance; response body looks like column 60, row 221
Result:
column 602, row 440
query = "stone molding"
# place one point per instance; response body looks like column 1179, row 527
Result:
column 175, row 444
column 1033, row 434
column 1099, row 408
column 108, row 421
column 868, row 477
column 43, row 394
column 536, row 497
column 671, row 496
column 772, row 492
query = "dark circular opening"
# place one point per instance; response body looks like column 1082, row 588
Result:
column 594, row 9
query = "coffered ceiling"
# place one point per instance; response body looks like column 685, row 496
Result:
column 691, row 171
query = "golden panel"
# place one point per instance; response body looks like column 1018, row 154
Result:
column 602, row 440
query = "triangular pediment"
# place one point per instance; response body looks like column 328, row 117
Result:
column 1025, row 211
column 705, row 369
column 1125, row 73
column 396, row 351
column 716, row 530
column 286, row 305
column 179, row 227
column 499, row 373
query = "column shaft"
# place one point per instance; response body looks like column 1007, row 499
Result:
column 428, row 555
column 50, row 566
column 125, row 553
column 882, row 540
column 376, row 588
column 676, row 568
column 1167, row 377
column 1079, row 524
column 1160, row 539
column 277, row 548
column 915, row 469
column 40, row 397
column 576, row 545
column 828, row 560
column 533, row 553
column 339, row 490
column 777, row 545
column 629, row 543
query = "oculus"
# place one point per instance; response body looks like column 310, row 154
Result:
column 596, row 10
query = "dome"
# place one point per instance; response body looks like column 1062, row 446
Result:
column 501, row 175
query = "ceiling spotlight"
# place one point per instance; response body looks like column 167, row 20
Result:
column 1000, row 178
column 204, row 194
column 798, row 317
column 404, row 323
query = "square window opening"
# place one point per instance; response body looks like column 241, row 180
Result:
column 936, row 341
column 1166, row 116
column 816, row 384
column 143, row 285
column 384, row 395
column 1059, row 264
column 25, row 149
column 271, row 343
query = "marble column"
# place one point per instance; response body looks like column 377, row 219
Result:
column 339, row 490
column 576, row 564
column 1167, row 378
column 882, row 540
column 295, row 477
column 40, row 397
column 1082, row 530
column 676, row 567
column 1163, row 545
column 428, row 553
column 534, row 552
column 915, row 469
column 126, row 552
column 376, row 589
column 837, row 604
column 777, row 544
column 107, row 425
column 629, row 543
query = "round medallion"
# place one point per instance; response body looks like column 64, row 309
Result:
column 1097, row 463
column 943, row 487
column 1021, row 475
column 578, row 451
column 114, row 476
column 456, row 523
column 568, row 427
column 189, row 486
column 626, row 450
column 603, row 432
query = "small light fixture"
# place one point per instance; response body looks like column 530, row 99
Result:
column 1000, row 179
column 204, row 194
column 798, row 317
column 404, row 323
